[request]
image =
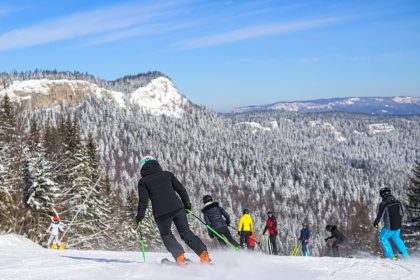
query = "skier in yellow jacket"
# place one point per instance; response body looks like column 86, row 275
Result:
column 245, row 228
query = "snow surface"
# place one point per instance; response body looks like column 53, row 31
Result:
column 338, row 136
column 22, row 259
column 254, row 127
column 159, row 97
column 380, row 128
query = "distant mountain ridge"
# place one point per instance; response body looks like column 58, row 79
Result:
column 396, row 105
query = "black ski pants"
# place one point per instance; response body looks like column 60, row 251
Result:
column 181, row 224
column 335, row 247
column 224, row 231
column 273, row 242
column 244, row 238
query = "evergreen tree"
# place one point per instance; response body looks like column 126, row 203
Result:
column 6, row 208
column 42, row 194
column 412, row 228
column 86, row 201
column 10, row 193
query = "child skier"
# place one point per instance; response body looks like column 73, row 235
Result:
column 162, row 187
column 55, row 227
column 245, row 229
column 339, row 239
column 391, row 211
column 271, row 226
column 305, row 235
column 217, row 218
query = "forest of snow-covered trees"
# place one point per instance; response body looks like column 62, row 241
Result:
column 321, row 167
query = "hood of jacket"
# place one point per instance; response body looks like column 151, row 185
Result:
column 210, row 206
column 150, row 167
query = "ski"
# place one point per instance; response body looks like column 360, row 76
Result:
column 166, row 261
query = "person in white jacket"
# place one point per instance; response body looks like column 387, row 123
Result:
column 55, row 227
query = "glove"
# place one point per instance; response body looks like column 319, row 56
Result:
column 307, row 241
column 188, row 208
column 326, row 239
column 228, row 223
column 211, row 235
column 138, row 220
column 239, row 233
column 263, row 232
column 375, row 223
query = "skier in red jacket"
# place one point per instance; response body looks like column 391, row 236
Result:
column 271, row 226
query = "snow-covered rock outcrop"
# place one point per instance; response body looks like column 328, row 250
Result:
column 159, row 97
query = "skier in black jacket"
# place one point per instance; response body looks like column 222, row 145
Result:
column 217, row 218
column 164, row 190
column 391, row 211
column 339, row 238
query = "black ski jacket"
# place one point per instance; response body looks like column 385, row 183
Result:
column 161, row 187
column 215, row 216
column 335, row 233
column 390, row 209
column 305, row 234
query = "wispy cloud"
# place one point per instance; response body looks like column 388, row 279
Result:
column 256, row 31
column 140, row 30
column 87, row 23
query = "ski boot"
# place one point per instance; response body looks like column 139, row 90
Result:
column 180, row 260
column 204, row 257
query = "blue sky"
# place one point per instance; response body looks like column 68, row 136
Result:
column 225, row 54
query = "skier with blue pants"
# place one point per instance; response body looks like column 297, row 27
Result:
column 391, row 212
column 305, row 235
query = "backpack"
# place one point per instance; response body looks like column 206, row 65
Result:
column 251, row 240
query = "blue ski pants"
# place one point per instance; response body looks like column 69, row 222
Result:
column 305, row 251
column 384, row 237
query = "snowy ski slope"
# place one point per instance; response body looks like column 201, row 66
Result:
column 22, row 259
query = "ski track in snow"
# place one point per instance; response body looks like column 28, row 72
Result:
column 22, row 259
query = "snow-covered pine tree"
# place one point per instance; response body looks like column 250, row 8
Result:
column 6, row 208
column 42, row 194
column 84, row 198
column 412, row 228
column 10, row 193
column 129, row 224
column 100, row 200
column 117, row 233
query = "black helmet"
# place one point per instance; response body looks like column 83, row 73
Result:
column 270, row 212
column 304, row 224
column 207, row 198
column 328, row 227
column 384, row 192
column 246, row 211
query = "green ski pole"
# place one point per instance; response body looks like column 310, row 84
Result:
column 213, row 231
column 142, row 242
